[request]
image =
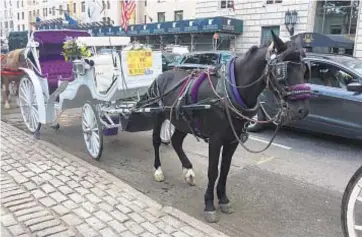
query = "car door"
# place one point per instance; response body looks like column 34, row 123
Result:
column 333, row 109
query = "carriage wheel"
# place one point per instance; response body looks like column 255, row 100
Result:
column 165, row 132
column 92, row 130
column 28, row 104
column 351, row 203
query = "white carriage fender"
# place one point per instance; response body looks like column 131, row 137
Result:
column 38, row 92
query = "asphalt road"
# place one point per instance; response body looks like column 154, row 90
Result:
column 292, row 189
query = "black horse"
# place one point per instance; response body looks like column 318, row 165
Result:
column 233, row 99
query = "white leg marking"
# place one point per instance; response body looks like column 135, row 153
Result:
column 158, row 175
column 7, row 105
column 189, row 175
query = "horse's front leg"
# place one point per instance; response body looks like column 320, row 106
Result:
column 177, row 141
column 6, row 93
column 156, row 140
column 215, row 144
column 227, row 154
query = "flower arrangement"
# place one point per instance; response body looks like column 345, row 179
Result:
column 73, row 49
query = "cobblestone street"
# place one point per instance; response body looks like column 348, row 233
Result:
column 46, row 191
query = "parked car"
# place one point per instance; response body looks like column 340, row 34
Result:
column 336, row 103
column 204, row 59
column 169, row 60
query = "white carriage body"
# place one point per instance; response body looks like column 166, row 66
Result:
column 109, row 79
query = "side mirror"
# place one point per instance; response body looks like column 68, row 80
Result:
column 355, row 86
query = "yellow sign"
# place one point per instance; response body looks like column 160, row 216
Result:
column 139, row 62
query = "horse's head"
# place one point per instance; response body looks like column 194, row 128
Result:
column 287, row 77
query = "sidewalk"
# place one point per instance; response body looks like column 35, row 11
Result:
column 46, row 191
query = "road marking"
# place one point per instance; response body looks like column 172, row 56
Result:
column 267, row 142
column 264, row 160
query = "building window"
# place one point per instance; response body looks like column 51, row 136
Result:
column 74, row 7
column 53, row 11
column 60, row 9
column 18, row 16
column 108, row 5
column 178, row 16
column 161, row 17
column 103, row 5
column 227, row 4
column 83, row 6
column 336, row 29
column 18, row 27
column 336, row 16
column 145, row 2
column 273, row 1
column 22, row 3
column 145, row 19
column 50, row 11
column 37, row 12
column 18, row 5
column 23, row 27
column 45, row 12
column 68, row 8
column 266, row 36
column 22, row 15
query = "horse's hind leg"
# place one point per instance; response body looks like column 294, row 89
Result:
column 156, row 139
column 177, row 141
column 227, row 154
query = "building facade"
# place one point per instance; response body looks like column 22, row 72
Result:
column 261, row 16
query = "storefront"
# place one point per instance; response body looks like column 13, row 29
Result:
column 215, row 33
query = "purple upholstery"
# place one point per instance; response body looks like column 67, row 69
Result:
column 52, row 63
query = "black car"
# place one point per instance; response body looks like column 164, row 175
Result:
column 336, row 103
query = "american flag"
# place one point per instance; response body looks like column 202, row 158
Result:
column 128, row 7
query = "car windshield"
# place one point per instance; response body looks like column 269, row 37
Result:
column 355, row 65
column 173, row 57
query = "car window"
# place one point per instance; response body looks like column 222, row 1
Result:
column 192, row 59
column 209, row 59
column 329, row 75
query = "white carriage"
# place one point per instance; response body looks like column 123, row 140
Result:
column 107, row 86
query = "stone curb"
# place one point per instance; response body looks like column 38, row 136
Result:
column 195, row 223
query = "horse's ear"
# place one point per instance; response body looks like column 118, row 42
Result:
column 278, row 43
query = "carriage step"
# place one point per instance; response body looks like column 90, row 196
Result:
column 57, row 92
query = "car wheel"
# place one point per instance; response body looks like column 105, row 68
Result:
column 257, row 127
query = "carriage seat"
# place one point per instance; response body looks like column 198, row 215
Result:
column 55, row 69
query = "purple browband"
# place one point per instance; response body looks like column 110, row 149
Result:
column 299, row 92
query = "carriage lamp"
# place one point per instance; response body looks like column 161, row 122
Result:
column 290, row 19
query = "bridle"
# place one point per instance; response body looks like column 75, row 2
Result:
column 275, row 75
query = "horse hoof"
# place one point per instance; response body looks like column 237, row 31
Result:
column 55, row 127
column 7, row 106
column 36, row 135
column 158, row 175
column 226, row 208
column 189, row 175
column 211, row 216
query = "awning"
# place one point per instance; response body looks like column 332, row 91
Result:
column 199, row 25
column 324, row 40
